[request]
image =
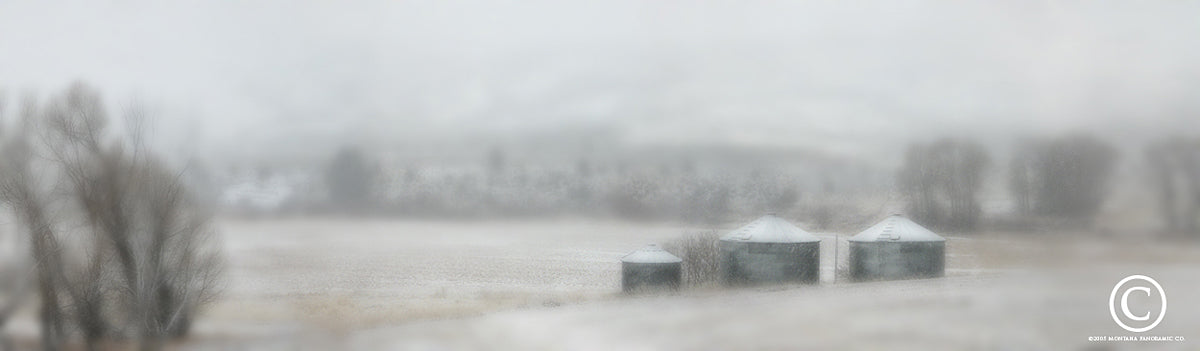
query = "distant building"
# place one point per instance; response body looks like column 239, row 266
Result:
column 650, row 269
column 770, row 250
column 897, row 248
column 251, row 194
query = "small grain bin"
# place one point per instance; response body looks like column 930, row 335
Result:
column 897, row 248
column 650, row 268
column 770, row 250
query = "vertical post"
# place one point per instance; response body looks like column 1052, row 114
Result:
column 835, row 256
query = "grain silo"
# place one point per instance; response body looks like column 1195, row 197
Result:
column 650, row 269
column 770, row 250
column 897, row 248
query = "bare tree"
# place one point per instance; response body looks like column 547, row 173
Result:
column 150, row 263
column 634, row 198
column 179, row 268
column 941, row 181
column 706, row 201
column 1070, row 176
column 20, row 190
column 1020, row 180
column 74, row 123
column 774, row 194
column 497, row 164
column 144, row 214
column 822, row 217
column 14, row 288
column 44, row 248
column 918, row 179
column 12, row 269
column 350, row 178
column 1174, row 170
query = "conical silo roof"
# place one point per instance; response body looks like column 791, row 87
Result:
column 770, row 229
column 651, row 254
column 896, row 228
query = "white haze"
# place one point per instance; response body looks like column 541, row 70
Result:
column 286, row 79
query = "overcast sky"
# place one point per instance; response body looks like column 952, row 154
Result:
column 287, row 76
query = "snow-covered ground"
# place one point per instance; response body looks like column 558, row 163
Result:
column 553, row 284
column 306, row 276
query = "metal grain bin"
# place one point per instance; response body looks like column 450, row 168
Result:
column 650, row 269
column 770, row 250
column 897, row 248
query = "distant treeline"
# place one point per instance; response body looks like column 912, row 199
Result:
column 1048, row 181
column 356, row 185
column 1064, row 179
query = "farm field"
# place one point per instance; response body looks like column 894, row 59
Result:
column 553, row 284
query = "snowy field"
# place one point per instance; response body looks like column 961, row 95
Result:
column 553, row 284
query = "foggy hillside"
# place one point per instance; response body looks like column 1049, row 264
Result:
column 294, row 81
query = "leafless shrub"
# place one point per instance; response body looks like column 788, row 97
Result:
column 149, row 264
column 700, row 254
column 180, row 265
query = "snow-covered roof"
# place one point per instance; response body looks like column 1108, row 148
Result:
column 897, row 228
column 770, row 229
column 651, row 254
